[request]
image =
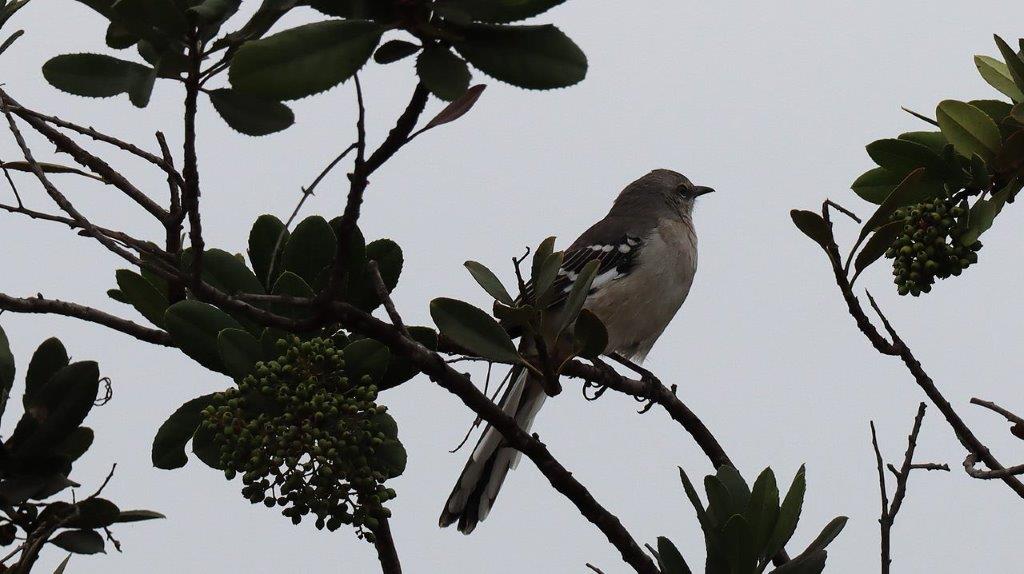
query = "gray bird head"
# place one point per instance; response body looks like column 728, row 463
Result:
column 660, row 193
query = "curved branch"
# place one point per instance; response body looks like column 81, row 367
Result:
column 84, row 158
column 68, row 309
column 386, row 551
column 900, row 349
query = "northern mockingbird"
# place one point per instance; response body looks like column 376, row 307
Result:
column 647, row 248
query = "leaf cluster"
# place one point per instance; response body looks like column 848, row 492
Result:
column 36, row 459
column 744, row 528
column 182, row 40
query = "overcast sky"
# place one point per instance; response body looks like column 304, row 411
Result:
column 769, row 103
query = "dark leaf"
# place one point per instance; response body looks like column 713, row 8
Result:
column 875, row 247
column 155, row 20
column 473, row 329
column 670, row 561
column 1014, row 62
column 719, row 504
column 875, row 184
column 251, row 115
column 983, row 214
column 361, row 292
column 366, row 357
column 499, row 11
column 969, row 129
column 94, row 513
column 63, row 564
column 489, row 281
column 828, row 534
column 305, row 60
column 138, row 515
column 239, row 352
column 48, row 168
column 997, row 74
column 738, row 544
column 294, row 286
column 394, row 50
column 763, row 509
column 7, row 370
column 310, row 249
column 590, row 337
column 226, row 272
column 812, row 225
column 205, row 448
column 533, row 57
column 266, row 244
column 789, row 514
column 177, row 430
column 79, row 541
column 456, row 109
column 902, row 156
column 578, row 295
column 698, row 506
column 442, row 72
column 63, row 403
column 141, row 294
column 546, row 274
column 76, row 444
column 50, row 357
column 97, row 76
column 913, row 189
column 934, row 141
column 401, row 370
column 805, row 564
column 212, row 13
column 194, row 327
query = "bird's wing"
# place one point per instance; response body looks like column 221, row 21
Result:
column 614, row 244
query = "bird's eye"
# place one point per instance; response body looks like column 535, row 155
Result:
column 684, row 190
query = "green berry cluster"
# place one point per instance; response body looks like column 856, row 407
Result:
column 929, row 246
column 306, row 438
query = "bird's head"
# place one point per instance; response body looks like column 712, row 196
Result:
column 659, row 189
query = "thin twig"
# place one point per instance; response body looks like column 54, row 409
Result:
column 98, row 136
column 900, row 349
column 385, row 296
column 1011, row 417
column 84, row 158
column 970, row 466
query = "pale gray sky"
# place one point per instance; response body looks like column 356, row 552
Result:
column 770, row 103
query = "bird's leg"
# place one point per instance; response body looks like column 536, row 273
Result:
column 651, row 382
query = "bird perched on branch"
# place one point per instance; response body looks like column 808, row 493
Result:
column 646, row 247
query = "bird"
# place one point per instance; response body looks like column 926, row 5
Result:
column 646, row 247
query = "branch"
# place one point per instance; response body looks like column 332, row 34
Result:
column 971, row 462
column 162, row 163
column 900, row 349
column 385, row 297
column 664, row 397
column 998, row 409
column 190, row 171
column 55, row 194
column 434, row 366
column 359, row 178
column 56, row 307
column 386, row 551
column 84, row 158
column 889, row 511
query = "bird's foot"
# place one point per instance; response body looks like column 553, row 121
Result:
column 651, row 383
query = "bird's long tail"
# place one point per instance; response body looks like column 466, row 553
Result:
column 478, row 485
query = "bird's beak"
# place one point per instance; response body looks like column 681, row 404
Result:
column 700, row 190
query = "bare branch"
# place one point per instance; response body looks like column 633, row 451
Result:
column 970, row 466
column 84, row 158
column 98, row 136
column 998, row 409
column 385, row 297
column 190, row 171
column 57, row 307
